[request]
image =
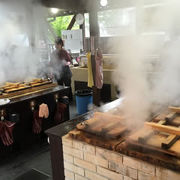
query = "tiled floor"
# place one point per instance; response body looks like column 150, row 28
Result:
column 37, row 158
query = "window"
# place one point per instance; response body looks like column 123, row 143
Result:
column 117, row 22
column 86, row 17
column 154, row 23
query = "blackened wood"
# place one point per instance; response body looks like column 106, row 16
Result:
column 175, row 121
column 148, row 133
column 147, row 147
column 71, row 24
column 150, row 156
column 169, row 141
column 145, row 135
column 171, row 116
column 57, row 157
column 94, row 140
column 96, row 96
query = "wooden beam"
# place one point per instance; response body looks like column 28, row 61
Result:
column 174, row 109
column 71, row 24
column 93, row 21
column 147, row 133
column 64, row 4
column 82, row 26
column 164, row 128
column 88, row 4
column 171, row 116
column 169, row 141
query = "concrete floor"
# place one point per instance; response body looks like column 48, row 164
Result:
column 37, row 157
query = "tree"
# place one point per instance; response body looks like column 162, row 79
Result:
column 61, row 23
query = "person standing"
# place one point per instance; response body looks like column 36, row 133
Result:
column 60, row 61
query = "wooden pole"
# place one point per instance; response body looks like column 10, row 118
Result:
column 71, row 24
column 94, row 37
column 164, row 128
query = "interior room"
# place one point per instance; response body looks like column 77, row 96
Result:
column 89, row 90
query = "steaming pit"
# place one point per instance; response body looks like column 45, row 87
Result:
column 104, row 147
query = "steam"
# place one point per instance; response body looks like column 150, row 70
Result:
column 148, row 70
column 22, row 25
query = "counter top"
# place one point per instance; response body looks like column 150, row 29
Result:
column 34, row 94
column 85, row 68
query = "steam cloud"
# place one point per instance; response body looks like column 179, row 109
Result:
column 22, row 24
column 148, row 70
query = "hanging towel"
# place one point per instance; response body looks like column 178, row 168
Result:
column 60, row 110
column 90, row 73
column 6, row 132
column 43, row 111
column 99, row 69
column 37, row 122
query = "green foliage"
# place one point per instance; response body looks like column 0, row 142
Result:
column 61, row 23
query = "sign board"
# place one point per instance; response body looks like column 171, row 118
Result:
column 73, row 40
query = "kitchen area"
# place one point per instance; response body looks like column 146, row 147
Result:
column 89, row 90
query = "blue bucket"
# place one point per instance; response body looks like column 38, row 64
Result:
column 83, row 100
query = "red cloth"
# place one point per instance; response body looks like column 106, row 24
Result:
column 60, row 110
column 37, row 122
column 59, row 55
column 63, row 55
column 6, row 132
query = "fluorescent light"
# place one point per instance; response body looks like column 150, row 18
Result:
column 54, row 10
column 103, row 2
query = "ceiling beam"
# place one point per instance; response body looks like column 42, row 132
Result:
column 64, row 4
column 71, row 24
column 89, row 5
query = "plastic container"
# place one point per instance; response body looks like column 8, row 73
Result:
column 83, row 100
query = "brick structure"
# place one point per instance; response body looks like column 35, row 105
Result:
column 86, row 162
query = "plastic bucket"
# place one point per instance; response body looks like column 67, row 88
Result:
column 83, row 100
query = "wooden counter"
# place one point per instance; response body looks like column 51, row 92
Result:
column 20, row 104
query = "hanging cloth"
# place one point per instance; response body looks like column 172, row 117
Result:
column 37, row 122
column 43, row 111
column 6, row 132
column 60, row 110
column 99, row 69
column 90, row 73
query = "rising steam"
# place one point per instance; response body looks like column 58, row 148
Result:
column 22, row 26
column 150, row 84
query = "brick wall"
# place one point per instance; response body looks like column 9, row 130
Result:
column 85, row 162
